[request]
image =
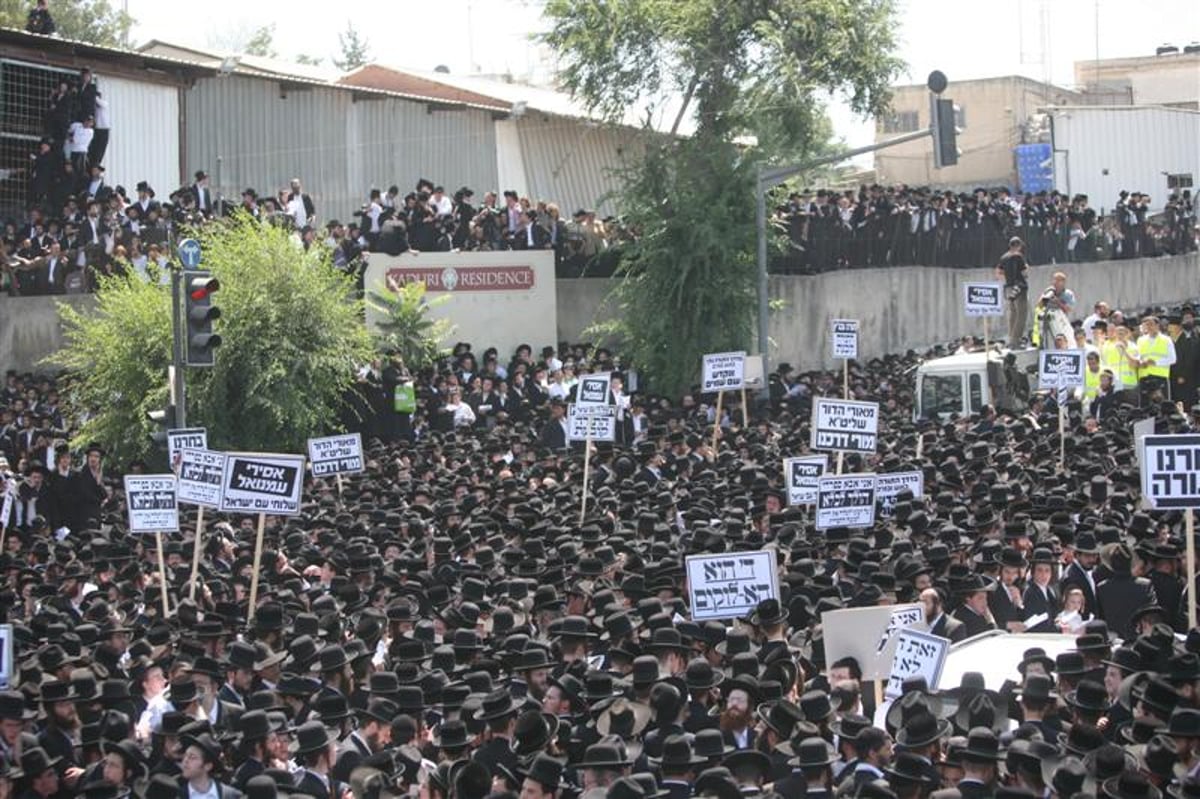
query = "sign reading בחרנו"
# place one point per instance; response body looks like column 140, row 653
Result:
column 843, row 338
column 1059, row 369
column 724, row 371
column 983, row 299
column 918, row 654
column 262, row 483
column 845, row 501
column 200, row 472
column 800, row 477
column 593, row 389
column 183, row 438
column 336, row 454
column 597, row 422
column 730, row 585
column 844, row 425
column 1170, row 467
column 152, row 503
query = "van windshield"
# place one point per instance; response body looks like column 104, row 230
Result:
column 941, row 394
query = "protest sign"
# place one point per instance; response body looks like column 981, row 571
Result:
column 336, row 454
column 730, row 585
column 152, row 503
column 184, row 438
column 918, row 654
column 6, row 510
column 844, row 425
column 404, row 399
column 597, row 422
column 888, row 486
column 845, row 501
column 843, row 337
column 593, row 389
column 1171, row 471
column 869, row 635
column 724, row 371
column 1060, row 369
column 6, row 656
column 983, row 299
column 262, row 483
column 800, row 475
column 200, row 473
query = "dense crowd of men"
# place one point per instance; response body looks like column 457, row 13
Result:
column 446, row 625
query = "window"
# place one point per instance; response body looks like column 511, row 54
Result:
column 1181, row 181
column 976, row 393
column 960, row 117
column 901, row 122
column 941, row 395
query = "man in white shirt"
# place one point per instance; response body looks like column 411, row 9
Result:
column 99, row 145
column 79, row 139
column 1099, row 313
column 440, row 203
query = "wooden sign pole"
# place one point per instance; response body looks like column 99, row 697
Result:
column 338, row 478
column 1062, row 440
column 840, row 459
column 258, row 548
column 745, row 412
column 1190, row 528
column 587, row 467
column 196, row 546
column 717, row 420
column 846, row 378
column 985, row 339
column 920, row 444
column 162, row 575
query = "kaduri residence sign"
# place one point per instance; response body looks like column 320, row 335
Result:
column 466, row 278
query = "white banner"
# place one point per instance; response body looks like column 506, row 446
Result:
column 844, row 425
column 846, row 501
column 801, row 475
column 730, row 585
column 724, row 371
column 200, row 473
column 262, row 483
column 918, row 654
column 152, row 504
column 1059, row 369
column 6, row 656
column 1171, row 471
column 593, row 389
column 868, row 635
column 336, row 454
column 598, row 422
column 983, row 299
column 843, row 337
column 184, row 438
column 888, row 486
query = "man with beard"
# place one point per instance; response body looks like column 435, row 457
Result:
column 60, row 735
column 255, row 730
column 373, row 736
column 736, row 716
column 534, row 668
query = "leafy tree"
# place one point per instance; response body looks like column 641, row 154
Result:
column 262, row 42
column 754, row 72
column 292, row 336
column 356, row 50
column 92, row 21
column 309, row 60
column 405, row 327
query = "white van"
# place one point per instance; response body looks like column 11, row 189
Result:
column 963, row 383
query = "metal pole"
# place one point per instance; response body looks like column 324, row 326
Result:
column 760, row 199
column 177, row 346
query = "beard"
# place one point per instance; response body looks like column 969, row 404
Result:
column 734, row 719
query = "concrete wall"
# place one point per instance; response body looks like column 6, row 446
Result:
column 30, row 329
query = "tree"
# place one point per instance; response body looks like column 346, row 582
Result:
column 754, row 72
column 355, row 49
column 406, row 328
column 261, row 43
column 292, row 337
column 309, row 60
column 91, row 21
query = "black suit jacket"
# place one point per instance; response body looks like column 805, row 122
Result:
column 1074, row 577
column 1002, row 607
column 497, row 750
column 1036, row 602
column 203, row 199
column 553, row 436
column 949, row 627
column 972, row 621
column 1118, row 597
column 312, row 785
column 52, row 284
column 541, row 239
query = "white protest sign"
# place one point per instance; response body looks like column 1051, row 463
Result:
column 1060, row 369
column 336, row 454
column 1171, row 471
column 724, row 371
column 151, row 501
column 888, row 486
column 843, row 337
column 200, row 473
column 6, row 656
column 730, row 585
column 184, row 438
column 1141, row 429
column 844, row 425
column 6, row 511
column 262, row 483
column 597, row 422
column 857, row 632
column 983, row 299
column 593, row 389
column 845, row 501
column 801, row 475
column 918, row 654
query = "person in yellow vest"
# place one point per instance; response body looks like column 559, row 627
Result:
column 1119, row 356
column 1091, row 379
column 1155, row 354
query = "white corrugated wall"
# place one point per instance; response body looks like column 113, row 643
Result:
column 143, row 139
column 1102, row 151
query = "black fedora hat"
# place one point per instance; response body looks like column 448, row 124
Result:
column 496, row 705
column 451, row 735
column 812, row 753
column 701, row 676
column 982, row 746
column 311, row 736
column 677, row 753
column 908, row 769
column 253, row 725
column 546, row 771
column 666, row 639
column 130, row 752
column 13, row 707
column 1089, row 695
column 603, row 755
column 769, row 612
column 921, row 729
column 35, row 762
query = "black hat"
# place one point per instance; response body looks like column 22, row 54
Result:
column 1089, row 695
column 12, row 707
column 311, row 736
column 813, row 752
column 603, row 755
column 253, row 725
column 380, row 710
column 700, row 675
column 130, row 752
column 205, row 743
column 450, row 734
column 921, row 729
column 982, row 746
column 35, row 762
column 769, row 612
column 546, row 771
column 496, row 705
column 1129, row 785
column 677, row 753
column 908, row 768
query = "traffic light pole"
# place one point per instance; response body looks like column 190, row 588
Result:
column 177, row 323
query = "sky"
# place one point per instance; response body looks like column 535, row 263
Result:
column 965, row 39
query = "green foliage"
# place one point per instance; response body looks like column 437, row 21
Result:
column 292, row 336
column 92, row 21
column 262, row 42
column 309, row 60
column 406, row 328
column 356, row 50
column 746, row 71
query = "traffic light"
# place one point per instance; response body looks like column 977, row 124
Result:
column 164, row 420
column 945, row 133
column 198, row 288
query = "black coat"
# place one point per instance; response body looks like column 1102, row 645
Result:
column 1118, row 597
column 949, row 627
column 1036, row 603
column 553, row 436
column 312, row 785
column 496, row 750
column 1076, row 577
column 972, row 621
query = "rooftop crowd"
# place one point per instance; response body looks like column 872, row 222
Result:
column 446, row 625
